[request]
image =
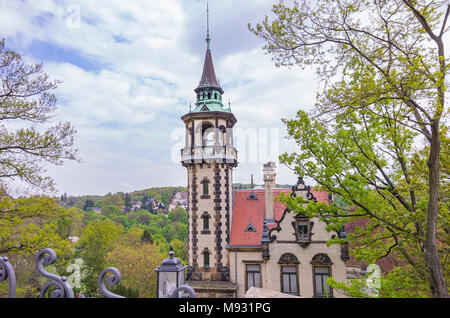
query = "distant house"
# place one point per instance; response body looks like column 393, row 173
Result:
column 180, row 199
column 136, row 205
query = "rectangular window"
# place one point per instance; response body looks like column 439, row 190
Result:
column 205, row 188
column 321, row 273
column 289, row 281
column 253, row 275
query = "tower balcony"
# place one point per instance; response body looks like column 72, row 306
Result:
column 221, row 154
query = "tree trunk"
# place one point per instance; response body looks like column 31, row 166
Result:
column 438, row 286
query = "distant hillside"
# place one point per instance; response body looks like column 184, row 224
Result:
column 119, row 199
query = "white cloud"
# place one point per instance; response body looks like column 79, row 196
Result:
column 144, row 71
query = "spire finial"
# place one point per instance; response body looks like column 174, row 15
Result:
column 207, row 24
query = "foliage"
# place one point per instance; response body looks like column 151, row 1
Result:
column 25, row 98
column 180, row 249
column 401, row 282
column 178, row 215
column 136, row 264
column 375, row 136
column 27, row 225
column 97, row 240
column 146, row 237
column 113, row 200
column 69, row 222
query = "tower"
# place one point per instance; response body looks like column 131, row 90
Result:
column 209, row 157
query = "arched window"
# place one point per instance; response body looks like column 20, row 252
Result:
column 223, row 136
column 215, row 95
column 206, row 256
column 208, row 133
column 209, row 95
column 205, row 221
column 321, row 264
column 289, row 274
column 205, row 188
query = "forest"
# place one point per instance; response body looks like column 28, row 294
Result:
column 88, row 239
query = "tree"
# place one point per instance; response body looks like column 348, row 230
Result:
column 169, row 232
column 360, row 141
column 128, row 201
column 89, row 204
column 27, row 225
column 178, row 215
column 147, row 237
column 98, row 238
column 115, row 200
column 110, row 209
column 180, row 249
column 136, row 264
column 25, row 98
column 69, row 222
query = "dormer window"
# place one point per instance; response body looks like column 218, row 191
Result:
column 250, row 227
column 303, row 227
column 302, row 231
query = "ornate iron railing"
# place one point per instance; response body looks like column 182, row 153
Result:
column 62, row 289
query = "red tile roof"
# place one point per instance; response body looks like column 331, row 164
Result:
column 245, row 211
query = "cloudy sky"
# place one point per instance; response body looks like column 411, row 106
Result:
column 129, row 69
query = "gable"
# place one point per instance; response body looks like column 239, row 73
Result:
column 246, row 208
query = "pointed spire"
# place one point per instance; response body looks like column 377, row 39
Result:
column 207, row 25
column 209, row 78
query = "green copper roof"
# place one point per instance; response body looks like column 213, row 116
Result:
column 210, row 106
column 209, row 92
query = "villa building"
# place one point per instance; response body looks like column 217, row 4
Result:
column 244, row 238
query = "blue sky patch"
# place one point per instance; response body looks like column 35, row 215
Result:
column 49, row 52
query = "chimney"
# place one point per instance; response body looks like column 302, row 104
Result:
column 269, row 173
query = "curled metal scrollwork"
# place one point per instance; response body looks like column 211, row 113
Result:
column 188, row 292
column 7, row 272
column 62, row 289
column 111, row 280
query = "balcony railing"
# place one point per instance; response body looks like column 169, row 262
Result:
column 197, row 154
